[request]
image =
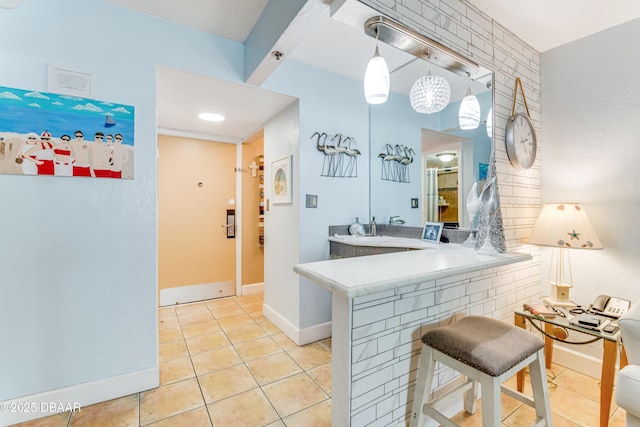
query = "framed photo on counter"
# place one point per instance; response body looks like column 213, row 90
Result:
column 432, row 231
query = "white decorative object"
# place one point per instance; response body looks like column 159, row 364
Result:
column 490, row 229
column 474, row 204
column 430, row 94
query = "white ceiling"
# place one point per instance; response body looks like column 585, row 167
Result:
column 543, row 24
column 231, row 19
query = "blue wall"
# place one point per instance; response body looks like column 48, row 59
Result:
column 78, row 298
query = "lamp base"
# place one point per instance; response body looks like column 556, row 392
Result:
column 551, row 302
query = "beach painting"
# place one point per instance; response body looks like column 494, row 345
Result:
column 60, row 135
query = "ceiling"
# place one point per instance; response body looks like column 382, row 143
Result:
column 543, row 24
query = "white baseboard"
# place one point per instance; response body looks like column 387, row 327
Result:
column 299, row 336
column 254, row 288
column 583, row 363
column 78, row 396
column 192, row 293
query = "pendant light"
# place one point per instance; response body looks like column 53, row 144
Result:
column 430, row 94
column 376, row 79
column 469, row 113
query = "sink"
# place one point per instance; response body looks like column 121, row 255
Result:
column 382, row 241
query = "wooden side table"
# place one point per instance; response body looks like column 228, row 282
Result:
column 610, row 353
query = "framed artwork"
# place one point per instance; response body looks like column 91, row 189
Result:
column 52, row 134
column 282, row 179
column 432, row 231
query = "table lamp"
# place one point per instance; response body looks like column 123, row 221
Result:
column 563, row 226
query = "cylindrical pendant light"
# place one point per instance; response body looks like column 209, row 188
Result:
column 469, row 114
column 376, row 79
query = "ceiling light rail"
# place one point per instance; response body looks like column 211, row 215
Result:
column 404, row 38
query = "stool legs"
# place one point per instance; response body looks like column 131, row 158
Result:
column 538, row 373
column 491, row 404
column 426, row 367
column 471, row 398
column 491, row 390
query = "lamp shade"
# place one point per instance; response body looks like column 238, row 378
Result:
column 564, row 225
column 376, row 80
column 469, row 113
column 430, row 94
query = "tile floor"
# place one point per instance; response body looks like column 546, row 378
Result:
column 224, row 364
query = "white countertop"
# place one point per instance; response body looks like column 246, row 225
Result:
column 357, row 276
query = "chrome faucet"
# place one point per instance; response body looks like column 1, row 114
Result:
column 395, row 220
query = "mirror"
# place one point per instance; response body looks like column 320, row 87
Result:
column 396, row 128
column 395, row 124
column 340, row 45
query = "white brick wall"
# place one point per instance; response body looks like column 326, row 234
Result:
column 388, row 326
column 386, row 345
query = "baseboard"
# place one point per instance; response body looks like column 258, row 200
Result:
column 192, row 293
column 299, row 336
column 583, row 363
column 78, row 396
column 254, row 288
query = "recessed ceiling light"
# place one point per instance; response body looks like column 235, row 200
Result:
column 211, row 117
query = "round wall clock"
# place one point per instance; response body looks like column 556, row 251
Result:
column 520, row 139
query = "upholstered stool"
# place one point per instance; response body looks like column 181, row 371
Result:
column 488, row 352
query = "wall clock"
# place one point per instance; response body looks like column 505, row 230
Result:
column 520, row 135
column 520, row 139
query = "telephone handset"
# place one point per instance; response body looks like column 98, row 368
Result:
column 609, row 306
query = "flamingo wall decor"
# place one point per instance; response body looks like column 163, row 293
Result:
column 395, row 162
column 341, row 156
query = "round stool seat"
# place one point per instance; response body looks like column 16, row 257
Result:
column 486, row 344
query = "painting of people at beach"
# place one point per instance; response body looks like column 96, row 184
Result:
column 59, row 135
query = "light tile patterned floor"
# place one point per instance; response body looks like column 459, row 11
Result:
column 224, row 364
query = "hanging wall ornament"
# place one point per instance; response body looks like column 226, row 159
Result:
column 490, row 222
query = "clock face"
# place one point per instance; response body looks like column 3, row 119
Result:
column 520, row 140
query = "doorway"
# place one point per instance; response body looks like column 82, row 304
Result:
column 196, row 203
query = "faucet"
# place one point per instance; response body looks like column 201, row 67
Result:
column 395, row 220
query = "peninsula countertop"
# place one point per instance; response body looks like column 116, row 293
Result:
column 354, row 277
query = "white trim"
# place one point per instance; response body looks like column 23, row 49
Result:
column 238, row 220
column 196, row 135
column 253, row 288
column 79, row 396
column 192, row 293
column 583, row 363
column 299, row 336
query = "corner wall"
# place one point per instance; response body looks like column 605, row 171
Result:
column 591, row 111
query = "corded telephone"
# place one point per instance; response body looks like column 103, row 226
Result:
column 609, row 306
